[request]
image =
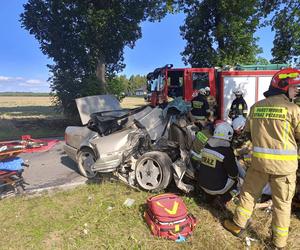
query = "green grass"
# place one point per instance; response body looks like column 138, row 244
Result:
column 93, row 217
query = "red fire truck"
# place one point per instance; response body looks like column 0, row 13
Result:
column 253, row 80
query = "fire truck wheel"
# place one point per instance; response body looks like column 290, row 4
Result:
column 86, row 159
column 153, row 171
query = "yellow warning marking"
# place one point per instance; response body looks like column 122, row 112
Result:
column 276, row 113
column 173, row 210
column 201, row 137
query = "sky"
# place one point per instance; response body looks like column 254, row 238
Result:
column 23, row 67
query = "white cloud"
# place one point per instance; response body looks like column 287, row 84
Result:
column 10, row 83
column 4, row 78
column 34, row 81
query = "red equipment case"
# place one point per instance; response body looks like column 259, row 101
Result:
column 167, row 217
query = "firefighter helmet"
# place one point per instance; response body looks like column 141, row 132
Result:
column 218, row 122
column 238, row 123
column 223, row 131
column 238, row 92
column 285, row 78
column 207, row 91
column 202, row 91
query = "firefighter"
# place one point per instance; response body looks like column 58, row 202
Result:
column 238, row 106
column 212, row 105
column 238, row 125
column 218, row 172
column 241, row 142
column 201, row 138
column 242, row 147
column 200, row 109
column 274, row 127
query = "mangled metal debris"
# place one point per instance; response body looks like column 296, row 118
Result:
column 145, row 147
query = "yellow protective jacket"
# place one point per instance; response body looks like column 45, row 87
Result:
column 274, row 125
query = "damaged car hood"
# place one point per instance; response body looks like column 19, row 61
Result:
column 151, row 118
column 94, row 104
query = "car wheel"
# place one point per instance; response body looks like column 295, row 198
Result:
column 86, row 159
column 153, row 171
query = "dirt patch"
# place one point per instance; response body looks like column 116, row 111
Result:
column 26, row 124
column 13, row 129
column 54, row 240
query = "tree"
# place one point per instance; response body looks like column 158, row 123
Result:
column 286, row 24
column 117, row 85
column 87, row 38
column 135, row 82
column 261, row 61
column 220, row 32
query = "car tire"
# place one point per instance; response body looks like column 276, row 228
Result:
column 153, row 171
column 86, row 158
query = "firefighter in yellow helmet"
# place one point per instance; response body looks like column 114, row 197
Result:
column 274, row 127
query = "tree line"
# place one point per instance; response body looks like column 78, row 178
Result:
column 24, row 94
column 128, row 86
column 86, row 39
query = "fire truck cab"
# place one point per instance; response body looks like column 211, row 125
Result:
column 253, row 80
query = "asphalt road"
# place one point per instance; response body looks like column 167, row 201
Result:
column 52, row 168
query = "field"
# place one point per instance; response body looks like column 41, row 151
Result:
column 33, row 115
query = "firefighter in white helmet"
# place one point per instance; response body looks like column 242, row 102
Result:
column 239, row 138
column 241, row 142
column 274, row 126
column 217, row 172
column 238, row 106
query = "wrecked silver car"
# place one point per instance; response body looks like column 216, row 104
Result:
column 134, row 144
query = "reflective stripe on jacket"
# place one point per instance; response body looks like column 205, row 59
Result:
column 274, row 124
column 199, row 143
column 217, row 165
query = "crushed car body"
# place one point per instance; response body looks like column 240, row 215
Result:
column 134, row 144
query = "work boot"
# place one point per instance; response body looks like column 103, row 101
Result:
column 233, row 228
column 273, row 247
